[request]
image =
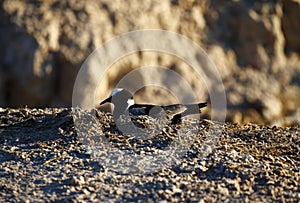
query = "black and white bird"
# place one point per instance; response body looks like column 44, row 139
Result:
column 124, row 105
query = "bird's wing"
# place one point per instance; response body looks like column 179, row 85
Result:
column 174, row 109
column 140, row 109
column 193, row 108
column 184, row 109
column 171, row 110
column 154, row 110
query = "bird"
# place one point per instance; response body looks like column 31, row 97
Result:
column 124, row 104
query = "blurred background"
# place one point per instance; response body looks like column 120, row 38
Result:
column 254, row 44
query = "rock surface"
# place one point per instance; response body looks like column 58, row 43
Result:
column 43, row 159
column 255, row 47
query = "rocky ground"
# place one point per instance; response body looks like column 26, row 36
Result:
column 43, row 157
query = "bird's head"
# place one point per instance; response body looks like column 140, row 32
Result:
column 122, row 100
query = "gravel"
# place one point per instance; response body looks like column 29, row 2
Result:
column 52, row 155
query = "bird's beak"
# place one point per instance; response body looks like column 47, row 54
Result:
column 106, row 100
